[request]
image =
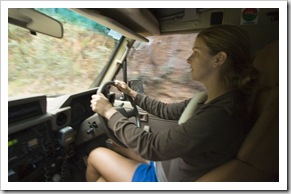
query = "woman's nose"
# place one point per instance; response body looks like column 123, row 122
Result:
column 189, row 60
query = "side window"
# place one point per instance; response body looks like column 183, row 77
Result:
column 162, row 65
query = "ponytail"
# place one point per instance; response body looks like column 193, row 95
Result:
column 234, row 41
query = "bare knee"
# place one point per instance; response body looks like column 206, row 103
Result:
column 103, row 162
column 96, row 155
column 93, row 162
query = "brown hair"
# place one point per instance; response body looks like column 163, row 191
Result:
column 235, row 42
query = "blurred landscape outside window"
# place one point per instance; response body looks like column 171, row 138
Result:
column 45, row 65
column 162, row 65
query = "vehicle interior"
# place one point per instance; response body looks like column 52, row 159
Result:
column 50, row 136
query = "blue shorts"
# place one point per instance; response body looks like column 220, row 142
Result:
column 145, row 173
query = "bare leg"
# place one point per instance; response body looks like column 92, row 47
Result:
column 128, row 153
column 106, row 165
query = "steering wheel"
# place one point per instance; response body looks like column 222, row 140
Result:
column 127, row 113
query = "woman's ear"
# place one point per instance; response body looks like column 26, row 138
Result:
column 220, row 59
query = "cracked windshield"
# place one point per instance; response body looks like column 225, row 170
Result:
column 45, row 65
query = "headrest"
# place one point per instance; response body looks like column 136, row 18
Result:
column 267, row 64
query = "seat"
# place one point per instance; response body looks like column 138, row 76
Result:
column 258, row 157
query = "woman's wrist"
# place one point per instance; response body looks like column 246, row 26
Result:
column 132, row 94
column 109, row 112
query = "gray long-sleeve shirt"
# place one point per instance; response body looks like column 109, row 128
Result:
column 209, row 138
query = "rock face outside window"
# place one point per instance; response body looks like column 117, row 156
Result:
column 162, row 65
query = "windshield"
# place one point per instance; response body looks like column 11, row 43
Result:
column 45, row 65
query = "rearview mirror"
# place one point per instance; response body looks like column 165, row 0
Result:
column 136, row 85
column 35, row 21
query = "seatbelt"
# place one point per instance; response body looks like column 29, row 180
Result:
column 199, row 97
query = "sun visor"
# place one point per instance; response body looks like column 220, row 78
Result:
column 110, row 23
column 35, row 21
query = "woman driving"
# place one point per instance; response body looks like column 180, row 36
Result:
column 221, row 60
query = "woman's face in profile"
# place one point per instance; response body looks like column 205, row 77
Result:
column 200, row 61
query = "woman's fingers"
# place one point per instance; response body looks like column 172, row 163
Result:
column 122, row 86
column 99, row 103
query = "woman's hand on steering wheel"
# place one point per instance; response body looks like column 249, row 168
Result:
column 101, row 105
column 123, row 87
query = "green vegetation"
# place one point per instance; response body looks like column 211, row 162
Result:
column 45, row 65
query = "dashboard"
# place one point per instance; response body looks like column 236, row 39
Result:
column 44, row 133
